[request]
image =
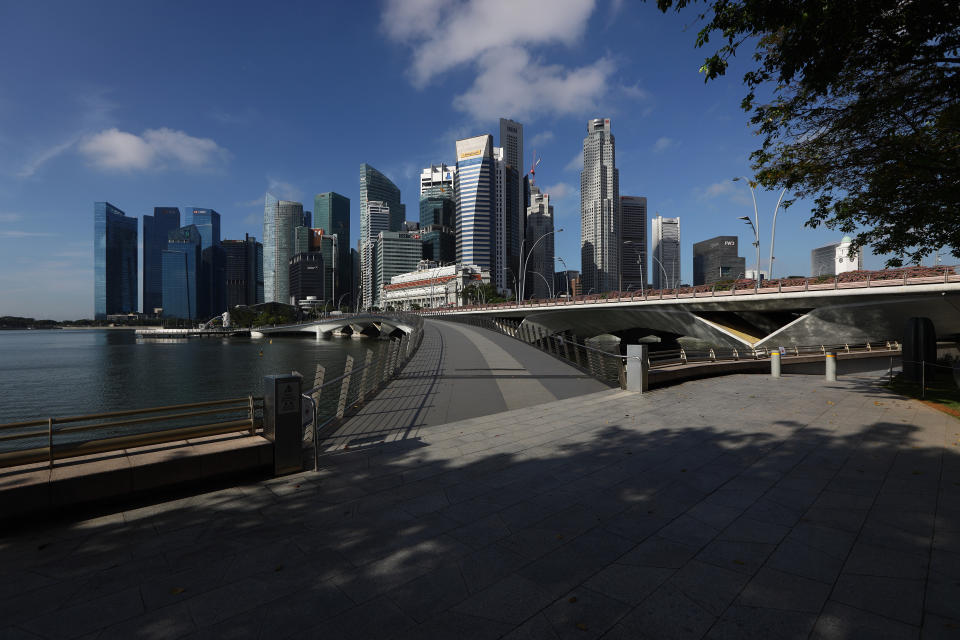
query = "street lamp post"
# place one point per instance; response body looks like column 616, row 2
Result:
column 773, row 231
column 566, row 275
column 662, row 270
column 756, row 243
column 632, row 244
column 523, row 271
column 544, row 278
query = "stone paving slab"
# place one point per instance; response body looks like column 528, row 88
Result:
column 738, row 507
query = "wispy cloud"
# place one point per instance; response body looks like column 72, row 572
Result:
column 576, row 163
column 5, row 233
column 726, row 190
column 154, row 149
column 245, row 116
column 284, row 190
column 495, row 39
column 10, row 217
column 541, row 138
column 46, row 156
column 560, row 191
column 663, row 143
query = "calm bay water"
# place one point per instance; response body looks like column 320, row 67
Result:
column 74, row 372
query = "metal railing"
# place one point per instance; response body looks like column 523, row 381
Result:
column 330, row 400
column 852, row 280
column 52, row 439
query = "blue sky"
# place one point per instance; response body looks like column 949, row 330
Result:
column 211, row 104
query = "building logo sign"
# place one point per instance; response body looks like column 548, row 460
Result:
column 470, row 154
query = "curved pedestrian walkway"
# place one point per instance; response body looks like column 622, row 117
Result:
column 735, row 507
column 460, row 372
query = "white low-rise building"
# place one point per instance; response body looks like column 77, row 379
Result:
column 432, row 286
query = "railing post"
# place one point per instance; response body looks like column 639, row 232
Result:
column 366, row 374
column 250, row 408
column 638, row 367
column 345, row 387
column 50, row 440
column 713, row 355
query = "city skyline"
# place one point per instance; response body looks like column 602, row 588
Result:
column 91, row 135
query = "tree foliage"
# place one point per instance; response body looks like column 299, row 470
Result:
column 857, row 103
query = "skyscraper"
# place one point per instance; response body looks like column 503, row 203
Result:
column 212, row 286
column 717, row 259
column 508, row 222
column 476, row 193
column 156, row 229
column 114, row 261
column 396, row 252
column 438, row 209
column 823, row 260
column 280, row 219
column 665, row 252
column 540, row 251
column 376, row 188
column 331, row 212
column 511, row 141
column 600, row 234
column 182, row 293
column 437, row 175
column 207, row 222
column 243, row 267
column 379, row 217
column 633, row 256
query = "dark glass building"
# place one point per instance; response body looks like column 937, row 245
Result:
column 114, row 261
column 633, row 255
column 213, row 293
column 438, row 210
column 716, row 259
column 331, row 212
column 243, row 267
column 182, row 296
column 306, row 276
column 156, row 229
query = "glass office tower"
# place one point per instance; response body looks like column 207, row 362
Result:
column 396, row 252
column 438, row 209
column 181, row 274
column 156, row 229
column 280, row 219
column 114, row 261
column 331, row 212
column 212, row 269
column 475, row 193
column 243, row 267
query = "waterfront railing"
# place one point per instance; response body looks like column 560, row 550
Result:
column 58, row 438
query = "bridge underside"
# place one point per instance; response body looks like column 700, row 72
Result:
column 366, row 325
column 850, row 320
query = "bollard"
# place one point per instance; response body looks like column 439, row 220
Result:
column 282, row 422
column 774, row 364
column 638, row 367
column 831, row 366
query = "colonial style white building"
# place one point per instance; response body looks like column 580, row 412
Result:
column 432, row 286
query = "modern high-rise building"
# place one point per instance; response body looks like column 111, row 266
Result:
column 511, row 141
column 633, row 254
column 156, row 230
column 508, row 222
column 396, row 252
column 823, row 260
column 600, row 233
column 540, row 255
column 207, row 221
column 665, row 252
column 280, row 219
column 307, row 277
column 438, row 209
column 563, row 282
column 181, row 260
column 476, row 194
column 440, row 175
column 243, row 267
column 212, row 275
column 114, row 261
column 374, row 186
column 379, row 217
column 331, row 213
column 717, row 259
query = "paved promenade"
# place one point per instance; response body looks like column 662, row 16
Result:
column 461, row 372
column 737, row 507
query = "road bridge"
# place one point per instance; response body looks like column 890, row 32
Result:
column 368, row 324
column 825, row 313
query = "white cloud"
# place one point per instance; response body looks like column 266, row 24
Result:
column 163, row 148
column 494, row 36
column 283, row 190
column 559, row 191
column 663, row 143
column 576, row 163
column 10, row 217
column 724, row 189
column 541, row 138
column 45, row 156
column 511, row 82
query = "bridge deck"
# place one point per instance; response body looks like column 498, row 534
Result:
column 461, row 372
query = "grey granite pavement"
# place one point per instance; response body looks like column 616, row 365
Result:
column 736, row 507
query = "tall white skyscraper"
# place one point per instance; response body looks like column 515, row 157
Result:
column 437, row 175
column 378, row 220
column 600, row 236
column 475, row 194
column 665, row 252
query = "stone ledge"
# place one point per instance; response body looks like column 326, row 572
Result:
column 36, row 489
